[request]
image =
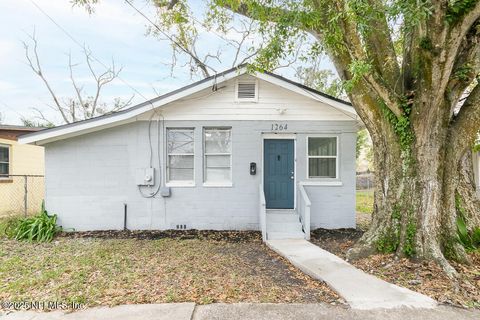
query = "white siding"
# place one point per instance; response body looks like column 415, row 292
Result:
column 89, row 177
column 221, row 105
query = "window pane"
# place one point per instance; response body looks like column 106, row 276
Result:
column 218, row 161
column 180, row 147
column 180, row 162
column 321, row 167
column 181, row 175
column 218, row 141
column 180, row 141
column 3, row 154
column 180, row 134
column 322, row 146
column 217, row 175
column 180, row 168
column 3, row 169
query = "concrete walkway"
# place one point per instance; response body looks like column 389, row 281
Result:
column 245, row 311
column 360, row 290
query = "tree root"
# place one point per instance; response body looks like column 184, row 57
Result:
column 361, row 250
column 447, row 267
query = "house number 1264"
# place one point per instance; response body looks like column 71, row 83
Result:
column 279, row 127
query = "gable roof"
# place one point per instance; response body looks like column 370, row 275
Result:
column 12, row 132
column 129, row 114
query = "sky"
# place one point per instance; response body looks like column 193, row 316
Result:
column 115, row 31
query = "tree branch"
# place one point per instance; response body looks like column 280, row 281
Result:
column 465, row 70
column 379, row 45
column 78, row 90
column 456, row 37
column 37, row 69
column 466, row 124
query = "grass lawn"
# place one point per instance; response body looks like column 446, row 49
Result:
column 106, row 271
column 364, row 201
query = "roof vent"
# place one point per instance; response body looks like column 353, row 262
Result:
column 246, row 91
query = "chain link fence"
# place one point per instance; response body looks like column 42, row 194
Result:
column 365, row 181
column 21, row 194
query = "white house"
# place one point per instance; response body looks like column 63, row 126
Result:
column 235, row 151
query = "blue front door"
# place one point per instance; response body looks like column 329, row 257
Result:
column 278, row 178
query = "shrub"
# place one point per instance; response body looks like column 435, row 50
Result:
column 40, row 228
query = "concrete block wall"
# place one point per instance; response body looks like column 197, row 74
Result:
column 89, row 178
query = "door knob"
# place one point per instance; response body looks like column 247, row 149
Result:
column 292, row 177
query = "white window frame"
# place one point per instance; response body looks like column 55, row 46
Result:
column 238, row 81
column 9, row 161
column 205, row 154
column 178, row 183
column 308, row 157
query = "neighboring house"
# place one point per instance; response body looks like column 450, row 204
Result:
column 16, row 162
column 205, row 156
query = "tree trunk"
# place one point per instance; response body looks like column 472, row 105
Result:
column 415, row 199
column 468, row 191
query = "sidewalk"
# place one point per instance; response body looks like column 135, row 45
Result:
column 359, row 289
column 245, row 311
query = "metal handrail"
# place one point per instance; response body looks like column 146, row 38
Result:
column 263, row 213
column 304, row 211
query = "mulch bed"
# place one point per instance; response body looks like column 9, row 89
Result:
column 229, row 236
column 421, row 276
column 336, row 241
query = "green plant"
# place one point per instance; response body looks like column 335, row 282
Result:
column 8, row 226
column 390, row 239
column 410, row 232
column 470, row 240
column 40, row 228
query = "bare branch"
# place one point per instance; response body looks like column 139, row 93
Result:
column 78, row 90
column 37, row 69
column 82, row 106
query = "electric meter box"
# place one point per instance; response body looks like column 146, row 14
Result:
column 145, row 177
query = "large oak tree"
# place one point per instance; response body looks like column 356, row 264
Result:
column 410, row 69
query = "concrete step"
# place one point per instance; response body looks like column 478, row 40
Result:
column 280, row 217
column 285, row 235
column 284, row 226
column 281, row 211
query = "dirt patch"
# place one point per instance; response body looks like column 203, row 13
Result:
column 336, row 241
column 421, row 276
